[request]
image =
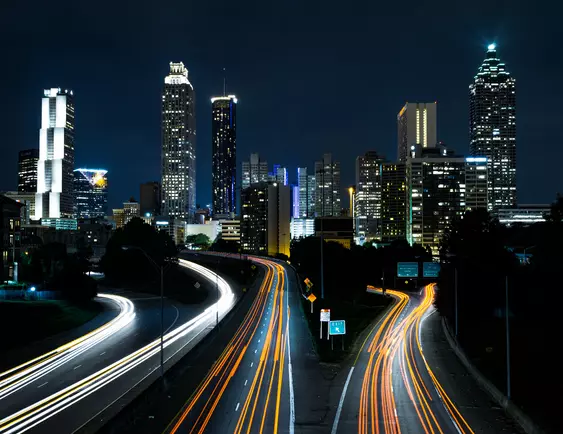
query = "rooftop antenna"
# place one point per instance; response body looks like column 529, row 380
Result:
column 224, row 83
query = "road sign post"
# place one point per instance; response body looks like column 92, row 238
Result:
column 325, row 317
column 312, row 299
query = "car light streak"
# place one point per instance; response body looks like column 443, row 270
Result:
column 40, row 411
column 20, row 376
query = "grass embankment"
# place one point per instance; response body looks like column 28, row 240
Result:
column 358, row 316
column 24, row 322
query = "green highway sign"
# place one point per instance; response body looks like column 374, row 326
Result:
column 337, row 327
column 407, row 269
column 430, row 269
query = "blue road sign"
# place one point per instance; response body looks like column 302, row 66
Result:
column 337, row 327
column 430, row 269
column 407, row 269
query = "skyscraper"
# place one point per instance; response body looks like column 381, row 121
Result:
column 367, row 198
column 280, row 174
column 224, row 154
column 492, row 128
column 90, row 193
column 150, row 198
column 253, row 171
column 327, row 178
column 416, row 123
column 393, row 202
column 27, row 170
column 307, row 193
column 178, row 144
column 54, row 198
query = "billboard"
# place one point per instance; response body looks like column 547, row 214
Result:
column 430, row 269
column 407, row 269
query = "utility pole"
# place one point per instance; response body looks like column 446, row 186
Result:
column 455, row 301
column 162, row 322
column 508, row 391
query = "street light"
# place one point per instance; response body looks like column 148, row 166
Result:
column 161, row 269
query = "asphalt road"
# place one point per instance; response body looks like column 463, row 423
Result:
column 250, row 388
column 391, row 388
column 72, row 393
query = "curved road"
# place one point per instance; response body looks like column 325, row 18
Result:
column 70, row 394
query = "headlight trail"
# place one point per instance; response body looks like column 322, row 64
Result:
column 399, row 341
column 261, row 399
column 40, row 411
column 20, row 376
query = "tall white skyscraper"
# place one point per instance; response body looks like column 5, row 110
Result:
column 416, row 123
column 492, row 128
column 327, row 178
column 178, row 144
column 54, row 197
column 253, row 171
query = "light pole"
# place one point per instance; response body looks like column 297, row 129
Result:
column 161, row 269
column 455, row 298
column 508, row 391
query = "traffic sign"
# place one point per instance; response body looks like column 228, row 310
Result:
column 407, row 269
column 430, row 269
column 337, row 327
column 308, row 283
column 312, row 298
column 325, row 315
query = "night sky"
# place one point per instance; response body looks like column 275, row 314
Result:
column 327, row 77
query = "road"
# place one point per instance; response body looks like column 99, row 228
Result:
column 250, row 386
column 60, row 393
column 391, row 388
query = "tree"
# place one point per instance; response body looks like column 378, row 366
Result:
column 200, row 241
column 221, row 245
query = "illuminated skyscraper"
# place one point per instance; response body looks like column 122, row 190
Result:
column 307, row 193
column 253, row 171
column 90, row 193
column 367, row 199
column 416, row 123
column 327, row 178
column 224, row 154
column 54, row 198
column 178, row 144
column 393, row 202
column 492, row 128
column 27, row 171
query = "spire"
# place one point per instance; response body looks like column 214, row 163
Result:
column 224, row 83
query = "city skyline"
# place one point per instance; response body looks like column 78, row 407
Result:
column 346, row 135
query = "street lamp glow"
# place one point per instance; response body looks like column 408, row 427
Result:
column 492, row 47
column 32, row 289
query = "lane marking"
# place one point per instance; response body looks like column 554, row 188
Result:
column 175, row 319
column 255, row 351
column 101, row 354
column 246, row 382
column 76, row 367
column 251, row 364
column 42, row 384
column 238, row 404
column 341, row 402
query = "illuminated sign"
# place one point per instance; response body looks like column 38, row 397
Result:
column 430, row 269
column 407, row 269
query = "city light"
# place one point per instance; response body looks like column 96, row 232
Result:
column 492, row 47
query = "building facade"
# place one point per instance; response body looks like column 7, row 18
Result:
column 27, row 170
column 265, row 219
column 90, row 193
column 178, row 156
column 54, row 197
column 492, row 128
column 307, row 193
column 416, row 124
column 524, row 214
column 10, row 238
column 224, row 154
column 302, row 227
column 150, row 198
column 476, row 183
column 280, row 174
column 253, row 171
column 365, row 204
column 393, row 202
column 327, row 178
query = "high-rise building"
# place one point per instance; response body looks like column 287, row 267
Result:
column 90, row 193
column 265, row 219
column 416, row 123
column 302, row 227
column 307, row 192
column 437, row 192
column 54, row 198
column 10, row 238
column 367, row 197
column 27, row 170
column 253, row 171
column 150, row 198
column 178, row 145
column 294, row 189
column 27, row 200
column 131, row 209
column 224, row 154
column 393, row 202
column 280, row 174
column 327, row 178
column 492, row 128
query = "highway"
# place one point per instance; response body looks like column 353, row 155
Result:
column 249, row 389
column 390, row 387
column 65, row 388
